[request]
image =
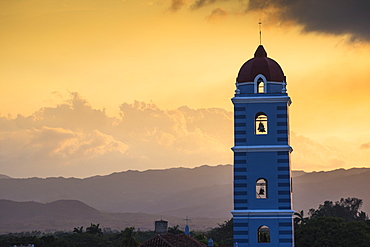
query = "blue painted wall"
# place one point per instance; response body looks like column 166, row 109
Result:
column 271, row 162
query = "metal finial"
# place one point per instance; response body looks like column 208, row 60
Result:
column 260, row 24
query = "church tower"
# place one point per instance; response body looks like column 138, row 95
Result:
column 262, row 212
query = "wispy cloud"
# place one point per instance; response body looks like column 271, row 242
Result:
column 176, row 5
column 365, row 146
column 201, row 3
column 217, row 13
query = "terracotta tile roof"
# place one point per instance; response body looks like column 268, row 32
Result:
column 172, row 240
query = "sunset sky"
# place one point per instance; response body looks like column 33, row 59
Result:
column 93, row 87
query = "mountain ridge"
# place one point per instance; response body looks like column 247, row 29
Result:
column 119, row 192
column 296, row 173
column 204, row 191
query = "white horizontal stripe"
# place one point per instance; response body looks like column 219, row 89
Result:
column 262, row 99
column 262, row 148
column 263, row 213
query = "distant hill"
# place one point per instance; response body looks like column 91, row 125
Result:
column 2, row 176
column 66, row 209
column 176, row 190
column 312, row 189
column 204, row 191
column 68, row 214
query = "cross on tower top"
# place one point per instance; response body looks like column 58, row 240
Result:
column 187, row 220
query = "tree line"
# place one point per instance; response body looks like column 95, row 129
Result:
column 332, row 224
column 95, row 236
column 92, row 236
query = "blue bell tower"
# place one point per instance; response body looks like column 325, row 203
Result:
column 262, row 212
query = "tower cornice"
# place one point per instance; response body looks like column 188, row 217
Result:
column 262, row 99
column 263, row 148
column 263, row 213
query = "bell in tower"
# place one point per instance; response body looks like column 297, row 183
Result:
column 262, row 192
column 261, row 123
column 261, row 127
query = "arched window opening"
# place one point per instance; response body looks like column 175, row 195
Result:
column 260, row 85
column 263, row 234
column 261, row 188
column 261, row 124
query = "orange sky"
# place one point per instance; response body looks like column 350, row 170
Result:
column 167, row 54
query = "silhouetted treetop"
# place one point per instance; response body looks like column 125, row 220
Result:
column 347, row 209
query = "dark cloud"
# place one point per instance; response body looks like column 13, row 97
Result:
column 176, row 5
column 201, row 3
column 329, row 16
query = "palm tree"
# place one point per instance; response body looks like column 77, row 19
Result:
column 128, row 238
column 78, row 230
column 94, row 229
column 299, row 219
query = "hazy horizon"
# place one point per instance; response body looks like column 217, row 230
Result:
column 179, row 167
column 95, row 87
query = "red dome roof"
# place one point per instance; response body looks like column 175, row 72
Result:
column 260, row 64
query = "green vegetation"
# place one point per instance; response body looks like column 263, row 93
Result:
column 175, row 230
column 94, row 236
column 223, row 234
column 333, row 224
column 128, row 238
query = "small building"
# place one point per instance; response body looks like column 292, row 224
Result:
column 172, row 240
column 161, row 226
